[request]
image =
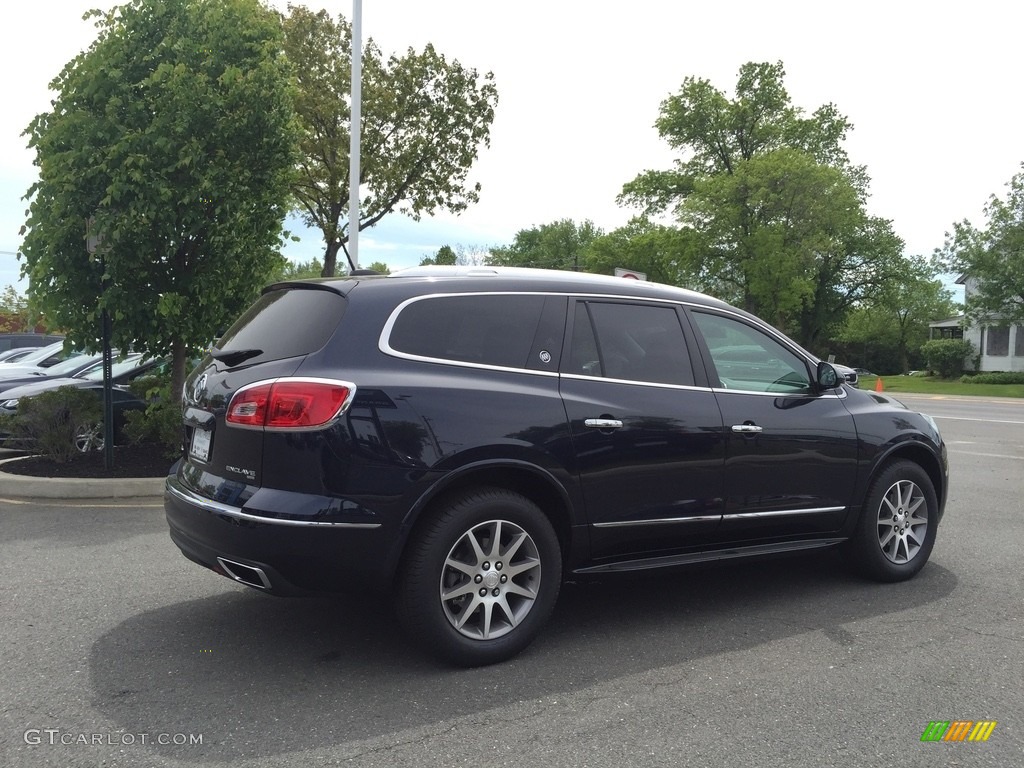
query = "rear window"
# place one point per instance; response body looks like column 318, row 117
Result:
column 285, row 323
column 488, row 329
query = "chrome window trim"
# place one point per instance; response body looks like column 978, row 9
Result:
column 174, row 488
column 383, row 342
column 633, row 382
column 838, row 394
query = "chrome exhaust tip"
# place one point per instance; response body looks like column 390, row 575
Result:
column 245, row 574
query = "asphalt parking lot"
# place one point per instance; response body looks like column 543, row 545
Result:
column 117, row 651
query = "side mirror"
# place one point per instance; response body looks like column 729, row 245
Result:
column 828, row 376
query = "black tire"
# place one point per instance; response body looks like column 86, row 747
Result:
column 496, row 602
column 896, row 531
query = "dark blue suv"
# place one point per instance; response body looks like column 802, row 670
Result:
column 464, row 438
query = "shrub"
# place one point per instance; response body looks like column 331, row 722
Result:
column 161, row 421
column 51, row 422
column 946, row 356
column 997, row 377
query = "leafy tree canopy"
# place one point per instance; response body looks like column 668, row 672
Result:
column 424, row 119
column 175, row 134
column 444, row 255
column 716, row 134
column 13, row 311
column 460, row 255
column 559, row 245
column 992, row 258
column 773, row 200
column 296, row 270
column 665, row 254
column 894, row 324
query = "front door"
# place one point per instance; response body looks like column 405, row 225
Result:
column 791, row 455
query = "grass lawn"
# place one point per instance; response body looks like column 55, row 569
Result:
column 932, row 385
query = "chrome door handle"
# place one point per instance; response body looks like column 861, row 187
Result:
column 603, row 423
column 747, row 429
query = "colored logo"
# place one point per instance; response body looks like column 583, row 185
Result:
column 958, row 730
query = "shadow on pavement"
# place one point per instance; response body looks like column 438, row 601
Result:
column 262, row 676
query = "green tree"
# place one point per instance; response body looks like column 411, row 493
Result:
column 380, row 266
column 13, row 311
column 559, row 245
column 423, row 121
column 992, row 258
column 460, row 255
column 947, row 357
column 771, row 193
column 898, row 315
column 175, row 132
column 445, row 256
column 296, row 270
column 665, row 254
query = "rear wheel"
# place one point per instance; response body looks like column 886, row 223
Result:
column 897, row 527
column 89, row 437
column 480, row 579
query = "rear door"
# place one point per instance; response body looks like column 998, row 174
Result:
column 647, row 439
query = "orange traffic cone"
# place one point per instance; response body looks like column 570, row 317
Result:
column 879, row 387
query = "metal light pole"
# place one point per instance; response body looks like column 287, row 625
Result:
column 94, row 245
column 355, row 129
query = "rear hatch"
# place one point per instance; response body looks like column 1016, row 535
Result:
column 236, row 393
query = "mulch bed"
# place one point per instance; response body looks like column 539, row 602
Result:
column 145, row 460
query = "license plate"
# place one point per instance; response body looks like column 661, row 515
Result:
column 200, row 449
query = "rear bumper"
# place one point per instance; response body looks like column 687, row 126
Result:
column 277, row 556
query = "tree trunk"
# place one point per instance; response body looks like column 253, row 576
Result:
column 330, row 258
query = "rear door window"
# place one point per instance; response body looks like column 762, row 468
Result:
column 629, row 342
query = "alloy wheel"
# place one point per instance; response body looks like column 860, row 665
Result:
column 902, row 521
column 490, row 579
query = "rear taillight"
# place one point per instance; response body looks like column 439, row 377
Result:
column 289, row 403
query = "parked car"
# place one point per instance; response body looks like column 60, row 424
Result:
column 17, row 340
column 30, row 374
column 850, row 374
column 123, row 372
column 36, row 360
column 15, row 353
column 465, row 438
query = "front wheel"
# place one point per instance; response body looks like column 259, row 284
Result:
column 480, row 579
column 896, row 532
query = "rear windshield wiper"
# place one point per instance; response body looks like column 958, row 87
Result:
column 234, row 356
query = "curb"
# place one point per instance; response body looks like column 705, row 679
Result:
column 79, row 487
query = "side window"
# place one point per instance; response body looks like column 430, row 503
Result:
column 632, row 342
column 997, row 343
column 491, row 329
column 747, row 358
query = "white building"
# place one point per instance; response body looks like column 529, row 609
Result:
column 1001, row 347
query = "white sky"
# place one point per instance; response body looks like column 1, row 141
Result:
column 933, row 90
